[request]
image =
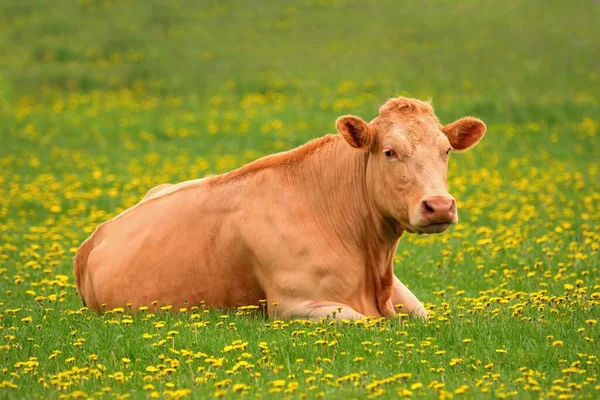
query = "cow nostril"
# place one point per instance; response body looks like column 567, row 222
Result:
column 453, row 207
column 428, row 209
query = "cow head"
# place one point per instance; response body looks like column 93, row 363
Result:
column 407, row 164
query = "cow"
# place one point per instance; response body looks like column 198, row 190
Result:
column 312, row 231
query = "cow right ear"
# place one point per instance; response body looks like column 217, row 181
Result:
column 355, row 130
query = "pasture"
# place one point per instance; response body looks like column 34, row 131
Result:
column 101, row 100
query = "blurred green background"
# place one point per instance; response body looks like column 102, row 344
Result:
column 520, row 52
column 504, row 59
column 173, row 76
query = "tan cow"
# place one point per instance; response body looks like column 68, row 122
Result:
column 313, row 230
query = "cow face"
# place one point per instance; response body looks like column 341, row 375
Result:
column 407, row 165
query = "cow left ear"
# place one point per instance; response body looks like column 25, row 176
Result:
column 355, row 130
column 465, row 132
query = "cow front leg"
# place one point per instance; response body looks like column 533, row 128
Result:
column 317, row 310
column 410, row 304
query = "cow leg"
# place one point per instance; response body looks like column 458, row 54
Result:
column 318, row 310
column 410, row 304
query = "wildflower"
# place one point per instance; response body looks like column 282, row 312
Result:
column 240, row 387
column 461, row 389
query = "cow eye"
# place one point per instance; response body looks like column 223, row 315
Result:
column 389, row 153
column 449, row 150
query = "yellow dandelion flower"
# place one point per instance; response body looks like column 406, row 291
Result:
column 240, row 387
column 461, row 389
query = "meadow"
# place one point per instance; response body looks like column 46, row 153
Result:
column 101, row 100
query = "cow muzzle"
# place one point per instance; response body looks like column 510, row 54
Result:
column 435, row 214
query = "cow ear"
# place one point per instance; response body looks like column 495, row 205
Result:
column 356, row 131
column 465, row 132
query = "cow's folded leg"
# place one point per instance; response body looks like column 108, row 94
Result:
column 410, row 304
column 318, row 310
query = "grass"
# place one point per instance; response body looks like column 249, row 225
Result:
column 101, row 100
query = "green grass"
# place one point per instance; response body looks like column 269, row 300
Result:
column 101, row 100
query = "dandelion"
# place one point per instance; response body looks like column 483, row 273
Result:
column 461, row 389
column 240, row 387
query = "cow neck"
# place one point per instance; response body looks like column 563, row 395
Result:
column 337, row 189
